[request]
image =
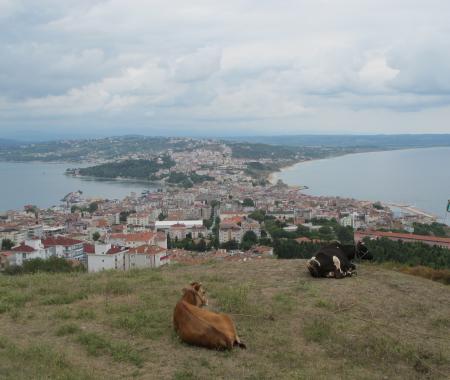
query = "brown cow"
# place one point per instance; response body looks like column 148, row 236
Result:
column 202, row 327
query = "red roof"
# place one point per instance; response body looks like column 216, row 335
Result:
column 60, row 240
column 399, row 235
column 147, row 249
column 233, row 220
column 115, row 249
column 178, row 225
column 23, row 248
column 89, row 248
column 138, row 236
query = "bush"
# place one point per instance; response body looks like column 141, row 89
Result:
column 51, row 265
column 441, row 275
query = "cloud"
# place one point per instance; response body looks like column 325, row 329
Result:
column 199, row 64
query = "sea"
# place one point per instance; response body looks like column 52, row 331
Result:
column 45, row 184
column 414, row 177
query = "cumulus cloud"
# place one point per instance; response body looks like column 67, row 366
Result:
column 284, row 67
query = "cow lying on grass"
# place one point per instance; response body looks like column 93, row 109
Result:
column 335, row 260
column 201, row 327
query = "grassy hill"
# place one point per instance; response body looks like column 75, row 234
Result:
column 379, row 325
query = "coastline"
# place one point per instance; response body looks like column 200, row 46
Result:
column 271, row 177
column 404, row 207
column 113, row 179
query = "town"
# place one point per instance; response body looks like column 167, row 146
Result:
column 224, row 216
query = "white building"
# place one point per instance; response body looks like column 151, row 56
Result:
column 30, row 249
column 146, row 256
column 166, row 224
column 106, row 257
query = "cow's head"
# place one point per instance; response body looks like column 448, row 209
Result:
column 196, row 294
column 362, row 252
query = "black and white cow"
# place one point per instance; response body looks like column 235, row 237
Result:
column 335, row 260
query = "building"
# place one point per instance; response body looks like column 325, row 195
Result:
column 132, row 240
column 230, row 232
column 407, row 238
column 252, row 225
column 111, row 257
column 166, row 224
column 146, row 256
column 142, row 219
column 62, row 246
column 105, row 257
column 30, row 249
column 178, row 231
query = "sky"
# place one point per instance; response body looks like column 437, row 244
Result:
column 256, row 67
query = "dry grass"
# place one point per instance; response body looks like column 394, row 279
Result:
column 380, row 324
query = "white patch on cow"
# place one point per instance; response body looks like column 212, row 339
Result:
column 337, row 263
column 314, row 259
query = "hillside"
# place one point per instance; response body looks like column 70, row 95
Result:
column 380, row 324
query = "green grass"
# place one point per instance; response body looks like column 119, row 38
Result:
column 380, row 324
column 232, row 299
column 45, row 363
column 96, row 345
column 67, row 329
column 318, row 330
column 63, row 299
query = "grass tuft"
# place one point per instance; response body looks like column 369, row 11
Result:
column 68, row 329
column 233, row 299
column 63, row 299
column 318, row 330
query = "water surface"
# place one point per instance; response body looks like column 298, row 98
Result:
column 418, row 177
column 44, row 184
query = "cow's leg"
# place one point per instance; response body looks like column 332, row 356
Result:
column 337, row 265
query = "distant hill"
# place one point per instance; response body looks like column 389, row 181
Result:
column 380, row 324
column 379, row 141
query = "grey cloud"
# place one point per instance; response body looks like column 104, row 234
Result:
column 204, row 65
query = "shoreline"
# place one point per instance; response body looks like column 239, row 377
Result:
column 405, row 208
column 116, row 179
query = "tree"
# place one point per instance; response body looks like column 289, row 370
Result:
column 258, row 215
column 7, row 244
column 207, row 223
column 124, row 215
column 326, row 233
column 344, row 234
column 96, row 236
column 214, row 203
column 161, row 216
column 93, row 207
column 230, row 245
column 377, row 205
column 248, row 202
column 249, row 240
column 201, row 246
column 74, row 209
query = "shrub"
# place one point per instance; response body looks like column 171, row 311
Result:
column 67, row 329
column 441, row 275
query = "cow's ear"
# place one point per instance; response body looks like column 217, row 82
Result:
column 197, row 286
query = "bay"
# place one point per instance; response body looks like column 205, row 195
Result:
column 44, row 184
column 416, row 177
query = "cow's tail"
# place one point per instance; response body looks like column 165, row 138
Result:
column 239, row 343
column 313, row 267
